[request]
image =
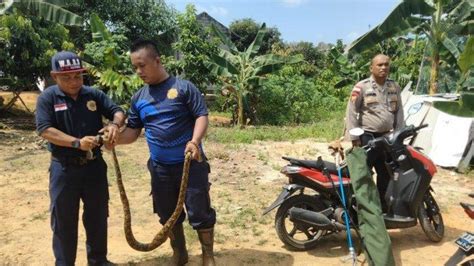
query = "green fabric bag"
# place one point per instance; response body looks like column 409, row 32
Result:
column 371, row 223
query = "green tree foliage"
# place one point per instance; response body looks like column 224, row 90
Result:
column 288, row 98
column 441, row 21
column 314, row 59
column 109, row 63
column 405, row 55
column 244, row 31
column 51, row 10
column 310, row 53
column 406, row 59
column 242, row 72
column 194, row 48
column 153, row 20
column 465, row 105
column 26, row 47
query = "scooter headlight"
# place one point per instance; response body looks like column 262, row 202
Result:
column 290, row 169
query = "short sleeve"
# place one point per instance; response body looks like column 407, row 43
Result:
column 44, row 112
column 195, row 101
column 133, row 119
column 109, row 108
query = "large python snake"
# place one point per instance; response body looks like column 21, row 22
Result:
column 163, row 234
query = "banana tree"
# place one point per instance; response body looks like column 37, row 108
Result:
column 109, row 64
column 441, row 21
column 242, row 72
column 50, row 10
column 464, row 107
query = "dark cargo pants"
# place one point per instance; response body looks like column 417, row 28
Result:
column 68, row 185
column 165, row 184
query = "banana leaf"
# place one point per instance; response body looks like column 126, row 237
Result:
column 407, row 15
column 49, row 10
column 225, row 40
column 257, row 42
column 99, row 31
column 466, row 59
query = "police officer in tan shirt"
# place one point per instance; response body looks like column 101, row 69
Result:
column 376, row 107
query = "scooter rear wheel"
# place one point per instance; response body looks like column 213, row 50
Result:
column 295, row 236
column 430, row 218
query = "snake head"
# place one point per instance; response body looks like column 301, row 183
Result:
column 100, row 138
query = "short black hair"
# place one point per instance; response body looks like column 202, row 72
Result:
column 145, row 44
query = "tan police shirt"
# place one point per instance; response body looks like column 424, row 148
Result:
column 375, row 108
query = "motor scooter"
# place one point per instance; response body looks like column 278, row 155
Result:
column 310, row 208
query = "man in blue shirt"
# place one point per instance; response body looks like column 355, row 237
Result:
column 174, row 115
column 69, row 116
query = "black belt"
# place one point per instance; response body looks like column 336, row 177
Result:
column 376, row 134
column 74, row 160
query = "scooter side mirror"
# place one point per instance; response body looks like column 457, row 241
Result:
column 356, row 132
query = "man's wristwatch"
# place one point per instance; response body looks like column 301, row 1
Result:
column 76, row 143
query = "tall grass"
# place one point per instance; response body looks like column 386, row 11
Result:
column 326, row 130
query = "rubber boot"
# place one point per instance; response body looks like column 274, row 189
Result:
column 206, row 237
column 178, row 243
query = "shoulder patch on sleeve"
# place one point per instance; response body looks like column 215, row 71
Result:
column 357, row 89
column 355, row 93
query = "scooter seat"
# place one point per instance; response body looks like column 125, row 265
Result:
column 319, row 165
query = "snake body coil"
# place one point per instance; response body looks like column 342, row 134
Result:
column 163, row 234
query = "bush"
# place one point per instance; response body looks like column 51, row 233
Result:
column 294, row 99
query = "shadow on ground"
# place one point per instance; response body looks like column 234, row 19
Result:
column 335, row 246
column 228, row 257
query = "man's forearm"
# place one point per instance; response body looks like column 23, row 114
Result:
column 128, row 135
column 57, row 137
column 119, row 118
column 200, row 128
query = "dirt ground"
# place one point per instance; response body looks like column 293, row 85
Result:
column 245, row 179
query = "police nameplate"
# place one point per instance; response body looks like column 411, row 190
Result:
column 60, row 107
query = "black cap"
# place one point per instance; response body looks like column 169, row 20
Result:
column 66, row 62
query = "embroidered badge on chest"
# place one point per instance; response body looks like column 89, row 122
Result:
column 172, row 93
column 91, row 105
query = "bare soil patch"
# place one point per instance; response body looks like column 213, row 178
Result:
column 245, row 179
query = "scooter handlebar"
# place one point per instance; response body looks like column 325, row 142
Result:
column 398, row 137
column 420, row 127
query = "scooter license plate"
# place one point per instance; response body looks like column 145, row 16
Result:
column 465, row 241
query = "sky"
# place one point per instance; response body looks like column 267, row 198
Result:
column 300, row 20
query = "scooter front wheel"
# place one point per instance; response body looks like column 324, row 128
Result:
column 298, row 236
column 430, row 218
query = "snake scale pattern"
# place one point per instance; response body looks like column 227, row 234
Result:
column 163, row 234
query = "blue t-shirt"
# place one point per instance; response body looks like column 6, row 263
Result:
column 77, row 118
column 168, row 112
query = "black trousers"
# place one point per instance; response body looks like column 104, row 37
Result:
column 68, row 185
column 165, row 183
column 376, row 159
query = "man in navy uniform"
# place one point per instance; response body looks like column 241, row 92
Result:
column 69, row 116
column 174, row 115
